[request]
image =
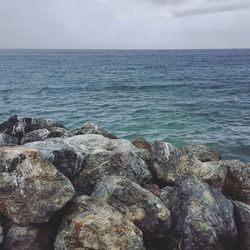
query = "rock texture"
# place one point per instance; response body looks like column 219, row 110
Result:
column 237, row 183
column 94, row 225
column 31, row 189
column 105, row 156
column 7, row 140
column 137, row 204
column 242, row 212
column 202, row 217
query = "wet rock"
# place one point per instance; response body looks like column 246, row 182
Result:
column 137, row 204
column 7, row 140
column 94, row 225
column 31, row 189
column 170, row 164
column 35, row 135
column 201, row 152
column 90, row 128
column 242, row 216
column 108, row 157
column 67, row 158
column 202, row 217
column 37, row 237
column 237, row 183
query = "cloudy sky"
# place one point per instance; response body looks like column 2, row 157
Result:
column 123, row 24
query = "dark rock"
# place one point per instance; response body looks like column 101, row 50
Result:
column 37, row 237
column 170, row 164
column 242, row 216
column 59, row 132
column 1, row 233
column 201, row 152
column 202, row 217
column 94, row 225
column 142, row 144
column 7, row 140
column 108, row 157
column 68, row 159
column 40, row 123
column 137, row 204
column 90, row 128
column 237, row 183
column 35, row 135
column 31, row 189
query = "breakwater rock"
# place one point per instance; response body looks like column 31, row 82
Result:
column 85, row 188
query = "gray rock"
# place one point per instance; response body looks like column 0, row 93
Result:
column 67, row 158
column 7, row 140
column 201, row 152
column 90, row 128
column 242, row 216
column 31, row 189
column 91, row 224
column 59, row 132
column 202, row 217
column 1, row 234
column 170, row 163
column 35, row 135
column 105, row 156
column 37, row 237
column 237, row 183
column 137, row 204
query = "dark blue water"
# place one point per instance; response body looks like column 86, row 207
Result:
column 185, row 96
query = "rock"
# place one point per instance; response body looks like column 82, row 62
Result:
column 242, row 216
column 31, row 189
column 35, row 135
column 105, row 156
column 59, row 132
column 137, row 204
column 170, row 164
column 202, row 217
column 40, row 123
column 237, row 183
column 201, row 152
column 1, row 233
column 90, row 128
column 37, row 237
column 68, row 159
column 141, row 143
column 7, row 140
column 94, row 225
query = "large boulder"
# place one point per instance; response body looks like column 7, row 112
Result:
column 91, row 224
column 90, row 128
column 106, row 156
column 35, row 135
column 171, row 163
column 31, row 189
column 7, row 140
column 37, row 237
column 201, row 152
column 242, row 216
column 68, row 159
column 137, row 204
column 237, row 184
column 202, row 217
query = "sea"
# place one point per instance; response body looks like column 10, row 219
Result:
column 178, row 96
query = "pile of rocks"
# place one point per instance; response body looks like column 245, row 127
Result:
column 86, row 189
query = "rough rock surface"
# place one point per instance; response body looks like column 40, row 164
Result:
column 1, row 233
column 201, row 152
column 67, row 158
column 237, row 183
column 242, row 212
column 202, row 217
column 137, row 204
column 94, row 225
column 35, row 135
column 31, row 189
column 31, row 237
column 7, row 140
column 90, row 128
column 106, row 156
column 170, row 163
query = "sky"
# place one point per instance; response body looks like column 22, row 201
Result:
column 124, row 24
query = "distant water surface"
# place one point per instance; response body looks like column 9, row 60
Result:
column 179, row 96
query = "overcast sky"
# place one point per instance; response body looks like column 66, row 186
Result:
column 122, row 24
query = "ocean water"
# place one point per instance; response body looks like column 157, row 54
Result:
column 178, row 96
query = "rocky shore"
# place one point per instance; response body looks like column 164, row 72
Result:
column 87, row 189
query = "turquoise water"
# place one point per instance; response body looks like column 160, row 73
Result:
column 179, row 96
